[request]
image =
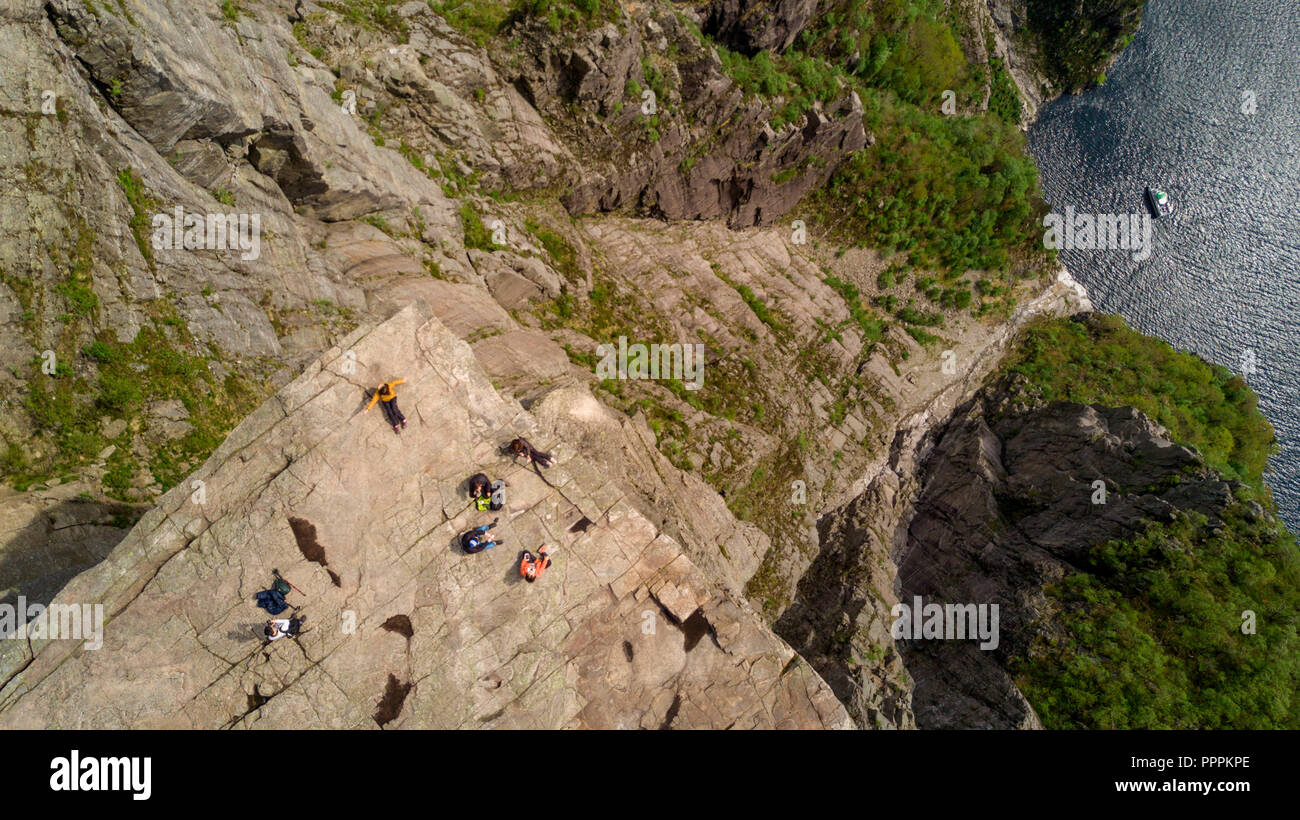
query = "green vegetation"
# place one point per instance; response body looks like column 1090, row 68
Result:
column 800, row 79
column 872, row 328
column 480, row 20
column 910, row 49
column 918, row 59
column 76, row 286
column 561, row 15
column 757, row 305
column 302, row 33
column 1004, row 99
column 1078, row 38
column 920, row 318
column 957, row 192
column 120, row 380
column 1151, row 631
column 455, row 182
column 1153, row 638
column 143, row 205
column 476, row 235
column 374, row 15
column 563, row 257
column 1102, row 361
column 379, row 222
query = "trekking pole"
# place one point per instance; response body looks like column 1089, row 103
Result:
column 277, row 574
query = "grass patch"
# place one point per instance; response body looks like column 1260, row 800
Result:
column 872, row 328
column 143, row 205
column 476, row 235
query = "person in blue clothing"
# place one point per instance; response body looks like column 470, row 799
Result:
column 476, row 540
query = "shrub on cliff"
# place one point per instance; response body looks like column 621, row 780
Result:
column 1078, row 38
column 1100, row 360
column 1186, row 626
column 1191, row 623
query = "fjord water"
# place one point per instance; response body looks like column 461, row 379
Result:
column 1205, row 104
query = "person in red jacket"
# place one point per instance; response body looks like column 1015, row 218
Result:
column 387, row 396
column 532, row 566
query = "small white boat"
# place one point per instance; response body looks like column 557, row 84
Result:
column 1158, row 202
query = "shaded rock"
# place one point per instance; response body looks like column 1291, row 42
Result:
column 1007, row 504
column 750, row 26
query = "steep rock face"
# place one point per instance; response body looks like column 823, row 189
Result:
column 986, row 506
column 241, row 117
column 1016, row 45
column 51, row 535
column 621, row 631
column 751, row 26
column 1052, row 48
column 712, row 153
column 1007, row 504
column 840, row 616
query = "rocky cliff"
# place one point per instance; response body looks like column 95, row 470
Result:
column 405, row 630
column 1052, row 48
column 156, row 352
column 476, row 198
column 1005, row 505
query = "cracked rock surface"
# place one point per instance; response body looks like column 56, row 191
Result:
column 623, row 629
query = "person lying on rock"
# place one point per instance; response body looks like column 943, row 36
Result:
column 521, row 448
column 283, row 628
column 387, row 397
column 532, row 566
column 476, row 540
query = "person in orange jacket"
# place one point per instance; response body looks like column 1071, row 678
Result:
column 532, row 566
column 388, row 397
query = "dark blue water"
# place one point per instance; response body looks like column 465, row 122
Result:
column 1224, row 275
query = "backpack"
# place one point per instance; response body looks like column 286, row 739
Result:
column 281, row 586
column 498, row 495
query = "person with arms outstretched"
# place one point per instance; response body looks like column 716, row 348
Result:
column 386, row 395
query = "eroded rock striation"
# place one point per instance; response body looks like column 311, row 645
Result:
column 477, row 225
column 405, row 630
